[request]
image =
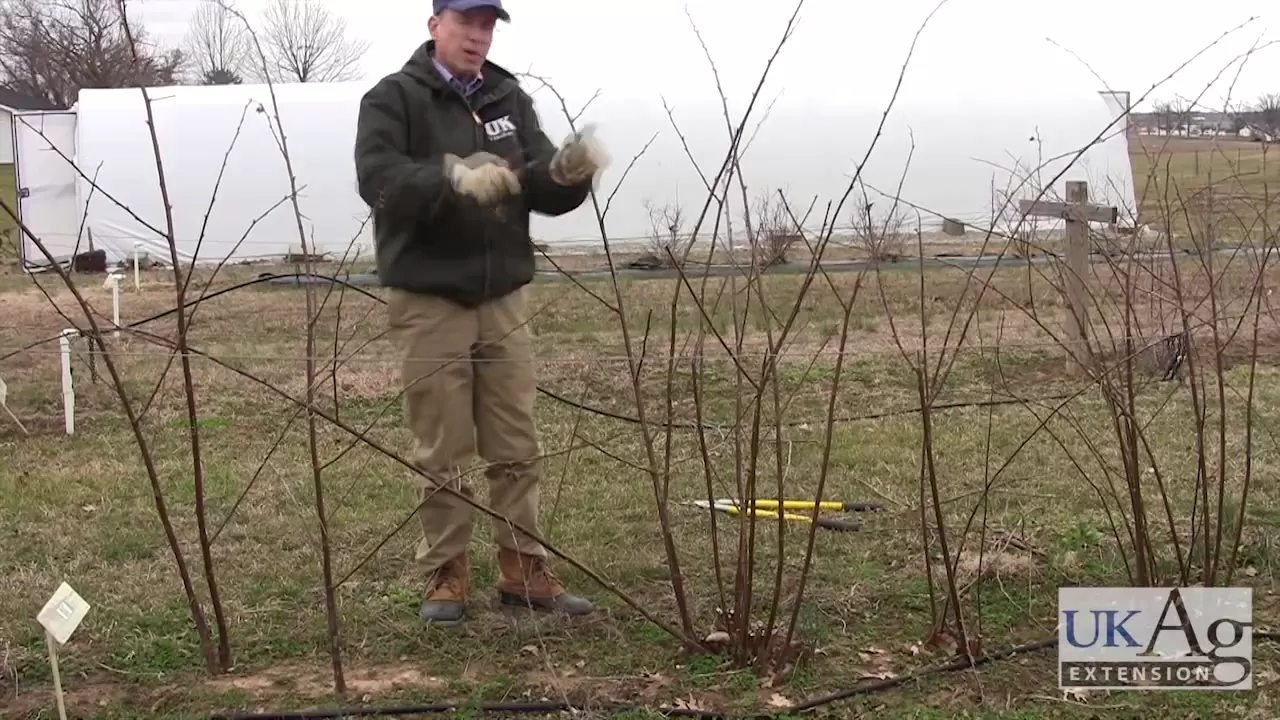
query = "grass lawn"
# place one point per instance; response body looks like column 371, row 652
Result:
column 1040, row 496
column 1209, row 189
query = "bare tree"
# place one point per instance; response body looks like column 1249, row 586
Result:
column 669, row 244
column 881, row 235
column 304, row 42
column 218, row 45
column 1162, row 110
column 52, row 49
column 1172, row 115
column 1268, row 109
column 772, row 232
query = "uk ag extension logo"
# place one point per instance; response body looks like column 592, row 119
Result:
column 1155, row 638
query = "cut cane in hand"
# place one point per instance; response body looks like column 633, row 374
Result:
column 581, row 156
column 597, row 158
column 483, row 176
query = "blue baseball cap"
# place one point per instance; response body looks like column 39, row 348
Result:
column 464, row 5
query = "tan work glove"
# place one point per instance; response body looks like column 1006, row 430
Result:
column 482, row 176
column 580, row 156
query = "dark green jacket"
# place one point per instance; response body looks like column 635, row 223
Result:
column 429, row 239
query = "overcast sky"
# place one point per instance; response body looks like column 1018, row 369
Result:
column 993, row 83
column 841, row 51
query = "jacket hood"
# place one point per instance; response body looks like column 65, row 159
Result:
column 420, row 67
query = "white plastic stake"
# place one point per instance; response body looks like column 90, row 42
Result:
column 4, row 403
column 113, row 282
column 68, row 389
column 60, row 617
column 137, row 272
column 57, row 676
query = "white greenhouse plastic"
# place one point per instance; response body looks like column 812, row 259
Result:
column 200, row 128
column 957, row 158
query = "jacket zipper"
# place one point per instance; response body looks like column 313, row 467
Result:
column 478, row 134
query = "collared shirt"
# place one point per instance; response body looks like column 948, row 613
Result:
column 466, row 88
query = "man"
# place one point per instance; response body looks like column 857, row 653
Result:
column 451, row 157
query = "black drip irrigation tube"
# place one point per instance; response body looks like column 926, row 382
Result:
column 959, row 663
column 955, row 665
column 944, row 260
column 539, row 708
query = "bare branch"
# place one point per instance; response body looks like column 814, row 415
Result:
column 217, row 45
column 52, row 49
column 303, row 41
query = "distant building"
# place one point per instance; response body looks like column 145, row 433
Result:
column 1199, row 124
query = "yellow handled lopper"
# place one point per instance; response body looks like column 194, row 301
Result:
column 770, row 509
column 832, row 505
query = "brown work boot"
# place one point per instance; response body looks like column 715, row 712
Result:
column 444, row 602
column 526, row 581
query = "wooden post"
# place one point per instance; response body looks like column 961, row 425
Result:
column 1077, row 212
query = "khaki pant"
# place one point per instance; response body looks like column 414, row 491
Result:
column 469, row 389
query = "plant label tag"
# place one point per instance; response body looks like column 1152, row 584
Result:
column 63, row 613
